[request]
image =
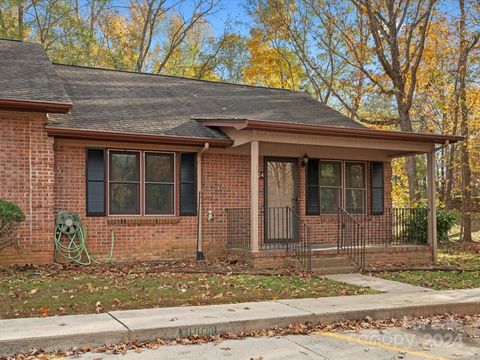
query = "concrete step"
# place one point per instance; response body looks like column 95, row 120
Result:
column 334, row 270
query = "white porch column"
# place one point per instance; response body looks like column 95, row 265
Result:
column 254, row 155
column 432, row 204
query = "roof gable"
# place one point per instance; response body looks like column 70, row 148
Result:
column 27, row 77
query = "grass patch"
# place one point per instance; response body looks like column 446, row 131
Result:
column 444, row 280
column 461, row 259
column 43, row 292
column 438, row 280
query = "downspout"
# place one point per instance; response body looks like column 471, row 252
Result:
column 199, row 201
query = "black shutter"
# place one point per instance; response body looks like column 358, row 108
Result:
column 188, row 184
column 313, row 188
column 95, row 180
column 377, row 188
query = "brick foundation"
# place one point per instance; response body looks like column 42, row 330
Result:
column 374, row 256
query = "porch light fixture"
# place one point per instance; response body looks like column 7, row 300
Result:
column 305, row 160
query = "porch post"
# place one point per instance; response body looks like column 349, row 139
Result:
column 254, row 154
column 432, row 205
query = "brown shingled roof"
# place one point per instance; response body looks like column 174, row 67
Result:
column 119, row 101
column 28, row 79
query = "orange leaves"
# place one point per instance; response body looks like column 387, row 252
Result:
column 269, row 66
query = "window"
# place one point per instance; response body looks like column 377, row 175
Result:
column 188, row 186
column 330, row 186
column 124, row 182
column 95, row 181
column 159, row 184
column 355, row 187
column 377, row 188
column 334, row 184
column 139, row 182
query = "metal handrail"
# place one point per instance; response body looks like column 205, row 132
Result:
column 302, row 249
column 354, row 247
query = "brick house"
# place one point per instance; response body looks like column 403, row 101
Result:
column 172, row 167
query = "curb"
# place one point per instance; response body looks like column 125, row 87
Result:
column 63, row 332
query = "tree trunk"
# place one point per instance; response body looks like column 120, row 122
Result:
column 406, row 125
column 21, row 31
column 462, row 95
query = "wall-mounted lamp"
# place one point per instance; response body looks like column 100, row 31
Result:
column 305, row 160
column 260, row 175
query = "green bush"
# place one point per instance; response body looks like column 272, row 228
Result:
column 445, row 221
column 10, row 217
column 415, row 228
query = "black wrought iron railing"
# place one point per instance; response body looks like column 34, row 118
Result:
column 283, row 230
column 281, row 225
column 351, row 238
column 302, row 248
column 358, row 229
column 238, row 228
column 392, row 226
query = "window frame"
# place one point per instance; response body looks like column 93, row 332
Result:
column 144, row 182
column 364, row 189
column 138, row 154
column 141, row 153
column 320, row 186
column 342, row 187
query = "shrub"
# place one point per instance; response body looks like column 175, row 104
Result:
column 10, row 217
column 416, row 226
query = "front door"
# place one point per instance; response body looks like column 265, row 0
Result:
column 281, row 197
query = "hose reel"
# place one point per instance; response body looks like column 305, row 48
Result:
column 70, row 236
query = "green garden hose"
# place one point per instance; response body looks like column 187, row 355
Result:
column 70, row 236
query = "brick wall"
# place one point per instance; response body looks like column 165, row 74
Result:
column 324, row 227
column 149, row 238
column 26, row 179
column 57, row 174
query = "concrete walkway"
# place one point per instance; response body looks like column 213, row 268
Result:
column 376, row 283
column 61, row 332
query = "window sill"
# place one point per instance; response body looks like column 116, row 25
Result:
column 142, row 220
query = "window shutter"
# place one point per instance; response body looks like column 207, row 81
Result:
column 95, row 181
column 377, row 188
column 313, row 188
column 188, row 184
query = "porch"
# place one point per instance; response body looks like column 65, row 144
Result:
column 318, row 190
column 376, row 237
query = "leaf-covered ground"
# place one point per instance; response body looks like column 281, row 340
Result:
column 57, row 290
column 466, row 275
